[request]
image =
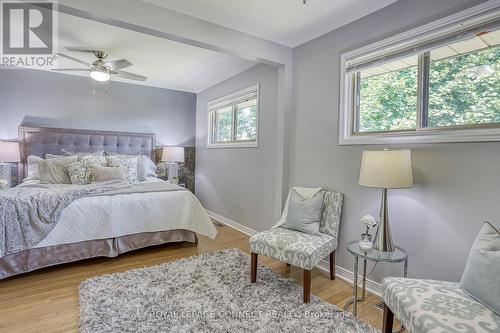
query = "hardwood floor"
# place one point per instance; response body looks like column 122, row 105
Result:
column 47, row 300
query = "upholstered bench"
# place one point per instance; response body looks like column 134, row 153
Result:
column 428, row 306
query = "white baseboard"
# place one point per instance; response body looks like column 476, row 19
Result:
column 348, row 276
column 231, row 223
column 340, row 272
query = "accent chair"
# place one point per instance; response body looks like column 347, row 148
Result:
column 301, row 249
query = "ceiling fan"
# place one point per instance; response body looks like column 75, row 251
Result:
column 100, row 70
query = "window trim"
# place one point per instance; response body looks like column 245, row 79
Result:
column 227, row 100
column 348, row 97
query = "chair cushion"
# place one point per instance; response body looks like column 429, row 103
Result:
column 293, row 247
column 428, row 306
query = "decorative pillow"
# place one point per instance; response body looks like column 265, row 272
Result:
column 33, row 173
column 54, row 171
column 145, row 166
column 130, row 164
column 80, row 171
column 481, row 278
column 304, row 214
column 102, row 174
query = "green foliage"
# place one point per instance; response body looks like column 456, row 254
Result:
column 389, row 101
column 459, row 94
column 246, row 123
column 224, row 124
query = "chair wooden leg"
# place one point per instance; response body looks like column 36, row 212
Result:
column 332, row 265
column 307, row 286
column 388, row 320
column 253, row 269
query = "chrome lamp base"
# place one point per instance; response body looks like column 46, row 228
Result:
column 383, row 239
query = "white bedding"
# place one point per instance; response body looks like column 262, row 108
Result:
column 101, row 217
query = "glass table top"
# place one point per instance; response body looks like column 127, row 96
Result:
column 398, row 255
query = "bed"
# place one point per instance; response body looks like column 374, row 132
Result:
column 105, row 225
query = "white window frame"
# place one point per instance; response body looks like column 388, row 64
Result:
column 232, row 100
column 348, row 117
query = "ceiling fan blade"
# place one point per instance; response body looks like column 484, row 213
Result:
column 118, row 64
column 83, row 49
column 74, row 59
column 131, row 76
column 71, row 69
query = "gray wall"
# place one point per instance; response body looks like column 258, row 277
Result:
column 238, row 183
column 38, row 98
column 457, row 185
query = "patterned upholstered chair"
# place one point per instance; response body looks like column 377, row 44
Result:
column 428, row 306
column 301, row 249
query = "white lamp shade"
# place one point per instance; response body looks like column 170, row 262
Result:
column 173, row 154
column 386, row 169
column 9, row 152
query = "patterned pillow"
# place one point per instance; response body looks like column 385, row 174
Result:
column 145, row 166
column 80, row 172
column 130, row 164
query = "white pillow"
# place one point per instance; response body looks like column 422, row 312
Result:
column 33, row 173
column 102, row 174
column 149, row 166
column 54, row 171
column 79, row 155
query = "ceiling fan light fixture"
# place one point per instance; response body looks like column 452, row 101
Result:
column 100, row 74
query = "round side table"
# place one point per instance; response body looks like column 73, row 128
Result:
column 397, row 256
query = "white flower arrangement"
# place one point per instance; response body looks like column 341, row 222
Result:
column 369, row 222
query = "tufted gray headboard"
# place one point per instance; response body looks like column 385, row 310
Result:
column 42, row 140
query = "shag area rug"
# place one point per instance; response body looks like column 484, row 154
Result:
column 206, row 293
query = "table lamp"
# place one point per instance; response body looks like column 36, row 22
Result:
column 9, row 153
column 173, row 156
column 385, row 169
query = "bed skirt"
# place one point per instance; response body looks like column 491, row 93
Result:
column 36, row 258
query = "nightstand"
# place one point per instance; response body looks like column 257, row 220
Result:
column 166, row 179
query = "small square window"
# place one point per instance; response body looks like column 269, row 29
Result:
column 233, row 120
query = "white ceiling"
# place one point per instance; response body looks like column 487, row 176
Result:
column 288, row 22
column 167, row 64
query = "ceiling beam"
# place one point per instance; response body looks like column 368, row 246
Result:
column 160, row 22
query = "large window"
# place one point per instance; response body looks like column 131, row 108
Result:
column 438, row 83
column 233, row 120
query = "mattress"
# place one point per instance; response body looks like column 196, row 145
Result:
column 104, row 217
